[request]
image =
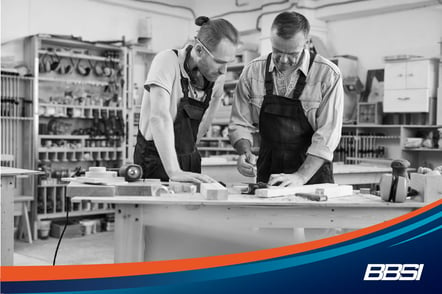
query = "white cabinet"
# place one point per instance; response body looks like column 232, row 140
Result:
column 410, row 85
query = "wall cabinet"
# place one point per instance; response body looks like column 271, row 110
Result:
column 80, row 114
column 410, row 86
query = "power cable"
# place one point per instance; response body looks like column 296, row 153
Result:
column 249, row 10
column 258, row 28
column 67, row 207
column 169, row 5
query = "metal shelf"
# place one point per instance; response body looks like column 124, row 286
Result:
column 69, row 81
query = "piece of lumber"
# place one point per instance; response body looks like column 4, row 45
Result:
column 330, row 190
column 138, row 188
column 182, row 187
column 428, row 186
column 213, row 191
column 75, row 189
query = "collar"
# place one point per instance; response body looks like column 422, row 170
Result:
column 181, row 58
column 182, row 55
column 305, row 59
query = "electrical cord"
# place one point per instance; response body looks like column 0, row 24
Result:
column 169, row 5
column 258, row 28
column 249, row 10
column 67, row 207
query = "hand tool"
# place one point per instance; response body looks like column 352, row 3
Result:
column 394, row 187
column 251, row 187
column 131, row 172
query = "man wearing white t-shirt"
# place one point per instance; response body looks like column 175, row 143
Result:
column 182, row 93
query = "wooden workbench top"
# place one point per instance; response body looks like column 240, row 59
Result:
column 363, row 200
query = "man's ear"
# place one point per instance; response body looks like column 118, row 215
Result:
column 198, row 50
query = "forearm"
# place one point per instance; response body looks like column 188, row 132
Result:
column 310, row 166
column 163, row 136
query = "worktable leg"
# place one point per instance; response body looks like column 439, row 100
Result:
column 7, row 220
column 129, row 236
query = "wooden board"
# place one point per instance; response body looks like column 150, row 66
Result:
column 330, row 190
column 137, row 189
column 214, row 191
column 428, row 186
column 74, row 189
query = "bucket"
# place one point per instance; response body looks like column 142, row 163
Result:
column 88, row 227
column 44, row 226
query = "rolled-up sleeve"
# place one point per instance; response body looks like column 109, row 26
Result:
column 241, row 124
column 329, row 120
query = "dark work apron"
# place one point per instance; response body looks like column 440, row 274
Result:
column 189, row 115
column 286, row 133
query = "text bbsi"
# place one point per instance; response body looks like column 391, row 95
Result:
column 393, row 272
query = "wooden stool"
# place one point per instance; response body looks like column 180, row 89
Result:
column 24, row 226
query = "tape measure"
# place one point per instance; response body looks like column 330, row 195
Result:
column 131, row 172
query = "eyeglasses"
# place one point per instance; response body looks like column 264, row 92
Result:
column 217, row 60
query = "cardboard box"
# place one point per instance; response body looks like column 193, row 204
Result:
column 72, row 230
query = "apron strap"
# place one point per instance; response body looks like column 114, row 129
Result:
column 184, row 81
column 268, row 84
column 300, row 84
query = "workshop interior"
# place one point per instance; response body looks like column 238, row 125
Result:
column 73, row 76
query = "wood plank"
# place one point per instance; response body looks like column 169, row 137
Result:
column 130, row 237
column 89, row 190
column 214, row 191
column 331, row 190
column 137, row 189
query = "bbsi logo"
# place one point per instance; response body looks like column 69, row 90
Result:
column 393, row 272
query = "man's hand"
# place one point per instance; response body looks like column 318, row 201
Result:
column 183, row 176
column 247, row 164
column 286, row 180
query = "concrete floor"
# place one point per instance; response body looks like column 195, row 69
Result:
column 91, row 249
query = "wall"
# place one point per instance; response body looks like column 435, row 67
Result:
column 370, row 38
column 257, row 14
column 94, row 20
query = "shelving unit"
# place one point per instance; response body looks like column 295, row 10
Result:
column 366, row 141
column 17, row 125
column 79, row 99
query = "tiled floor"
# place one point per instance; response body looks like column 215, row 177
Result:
column 91, row 249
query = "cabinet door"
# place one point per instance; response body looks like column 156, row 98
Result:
column 406, row 100
column 395, row 75
column 417, row 74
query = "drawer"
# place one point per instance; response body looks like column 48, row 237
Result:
column 406, row 100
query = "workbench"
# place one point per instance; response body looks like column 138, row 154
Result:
column 185, row 225
column 349, row 174
column 8, row 175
